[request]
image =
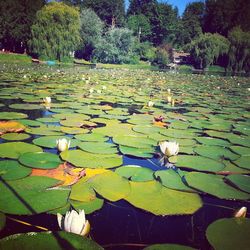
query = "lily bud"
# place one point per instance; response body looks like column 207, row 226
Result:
column 62, row 144
column 47, row 99
column 169, row 148
column 241, row 213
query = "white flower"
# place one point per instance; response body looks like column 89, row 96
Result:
column 104, row 87
column 62, row 144
column 248, row 89
column 74, row 222
column 150, row 104
column 24, row 76
column 169, row 90
column 169, row 98
column 169, row 148
column 99, row 91
column 241, row 213
column 91, row 91
column 47, row 99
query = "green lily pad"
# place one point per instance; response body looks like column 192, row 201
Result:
column 153, row 197
column 14, row 149
column 230, row 234
column 98, row 147
column 25, row 106
column 91, row 137
column 43, row 130
column 137, row 152
column 12, row 170
column 240, row 150
column 168, row 247
column 88, row 207
column 135, row 173
column 83, row 159
column 134, row 141
column 50, row 141
column 240, row 181
column 110, row 185
column 147, row 129
column 213, row 141
column 214, row 185
column 174, row 133
column 48, row 240
column 30, row 195
column 171, row 179
column 41, row 160
column 199, row 163
column 15, row 136
column 215, row 152
column 243, row 162
column 30, row 123
column 2, row 221
column 74, row 130
column 12, row 115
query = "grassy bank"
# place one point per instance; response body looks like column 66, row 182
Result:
column 14, row 58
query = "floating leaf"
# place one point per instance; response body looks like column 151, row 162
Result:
column 214, row 185
column 40, row 160
column 229, row 234
column 199, row 163
column 241, row 181
column 25, row 106
column 135, row 173
column 243, row 162
column 134, row 141
column 12, row 115
column 15, row 136
column 137, row 152
column 30, row 195
column 2, row 221
column 91, row 137
column 98, row 147
column 88, row 207
column 168, row 247
column 48, row 240
column 14, row 149
column 12, row 170
column 11, row 126
column 153, row 197
column 83, row 159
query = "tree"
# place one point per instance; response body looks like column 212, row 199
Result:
column 115, row 47
column 220, row 16
column 90, row 32
column 140, row 26
column 55, row 32
column 239, row 51
column 192, row 22
column 112, row 12
column 16, row 19
column 207, row 48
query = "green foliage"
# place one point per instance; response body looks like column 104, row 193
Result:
column 16, row 19
column 206, row 48
column 140, row 26
column 55, row 32
column 112, row 12
column 239, row 51
column 115, row 47
column 14, row 58
column 90, row 32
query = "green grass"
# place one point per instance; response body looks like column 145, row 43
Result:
column 141, row 65
column 14, row 58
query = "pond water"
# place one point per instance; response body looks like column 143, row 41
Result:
column 133, row 195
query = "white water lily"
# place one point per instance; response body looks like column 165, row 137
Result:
column 62, row 144
column 47, row 99
column 74, row 222
column 169, row 148
column 104, row 87
column 169, row 90
column 241, row 213
column 91, row 91
column 99, row 91
column 150, row 104
column 169, row 98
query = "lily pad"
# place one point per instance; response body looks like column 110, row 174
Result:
column 240, row 181
column 15, row 136
column 88, row 207
column 134, row 141
column 11, row 126
column 25, row 106
column 229, row 234
column 40, row 160
column 30, row 195
column 12, row 115
column 214, row 185
column 91, row 137
column 199, row 163
column 98, row 147
column 12, row 170
column 2, row 221
column 243, row 162
column 168, row 247
column 213, row 141
column 153, row 197
column 14, row 149
column 135, row 173
column 137, row 152
column 48, row 240
column 171, row 179
column 83, row 159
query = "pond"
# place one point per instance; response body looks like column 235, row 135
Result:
column 134, row 192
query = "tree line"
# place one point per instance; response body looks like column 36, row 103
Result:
column 214, row 31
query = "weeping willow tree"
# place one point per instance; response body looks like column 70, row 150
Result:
column 207, row 48
column 55, row 33
column 239, row 51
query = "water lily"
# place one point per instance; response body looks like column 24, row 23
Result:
column 150, row 104
column 173, row 102
column 99, row 91
column 47, row 99
column 91, row 91
column 169, row 90
column 241, row 213
column 169, row 148
column 169, row 98
column 74, row 222
column 104, row 87
column 62, row 144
